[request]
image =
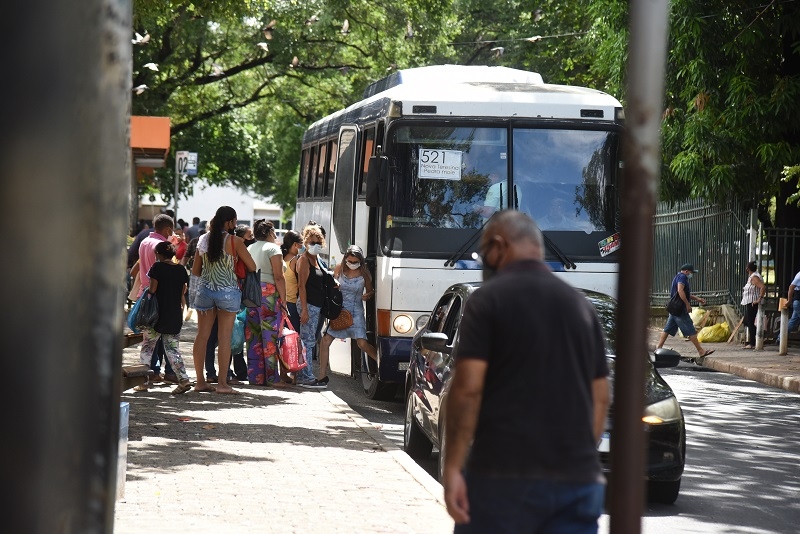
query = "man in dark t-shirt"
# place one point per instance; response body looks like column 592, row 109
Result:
column 680, row 287
column 531, row 388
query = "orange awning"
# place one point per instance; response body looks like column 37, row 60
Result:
column 149, row 141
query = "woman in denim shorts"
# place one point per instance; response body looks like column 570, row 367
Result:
column 218, row 295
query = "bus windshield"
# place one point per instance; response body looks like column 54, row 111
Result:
column 445, row 182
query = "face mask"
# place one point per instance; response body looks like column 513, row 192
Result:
column 230, row 231
column 314, row 249
column 689, row 275
column 301, row 250
column 353, row 265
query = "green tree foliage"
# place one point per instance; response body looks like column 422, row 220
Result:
column 732, row 110
column 241, row 80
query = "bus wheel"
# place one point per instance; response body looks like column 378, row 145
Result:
column 373, row 387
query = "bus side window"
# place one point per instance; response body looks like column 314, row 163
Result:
column 333, row 153
column 321, row 167
column 312, row 172
column 367, row 150
column 304, row 169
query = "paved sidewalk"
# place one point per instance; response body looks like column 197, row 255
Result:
column 267, row 460
column 765, row 366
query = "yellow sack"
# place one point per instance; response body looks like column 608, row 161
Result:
column 697, row 316
column 714, row 334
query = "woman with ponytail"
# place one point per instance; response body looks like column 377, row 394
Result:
column 218, row 294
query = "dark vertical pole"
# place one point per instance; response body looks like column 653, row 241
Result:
column 64, row 175
column 645, row 96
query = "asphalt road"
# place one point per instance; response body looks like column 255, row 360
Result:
column 743, row 445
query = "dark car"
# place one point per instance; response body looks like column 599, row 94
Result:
column 431, row 367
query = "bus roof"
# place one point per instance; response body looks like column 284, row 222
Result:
column 471, row 91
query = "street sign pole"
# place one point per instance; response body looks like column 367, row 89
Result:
column 185, row 165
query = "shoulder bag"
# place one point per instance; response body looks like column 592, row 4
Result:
column 676, row 306
column 251, row 289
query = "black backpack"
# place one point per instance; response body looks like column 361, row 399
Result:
column 332, row 306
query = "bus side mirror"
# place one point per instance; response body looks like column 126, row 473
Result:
column 376, row 178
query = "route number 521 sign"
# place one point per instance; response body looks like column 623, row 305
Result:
column 435, row 164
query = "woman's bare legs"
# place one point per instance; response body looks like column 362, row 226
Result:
column 366, row 347
column 324, row 354
column 225, row 320
column 205, row 321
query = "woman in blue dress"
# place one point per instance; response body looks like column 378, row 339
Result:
column 355, row 282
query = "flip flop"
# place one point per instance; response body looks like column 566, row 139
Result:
column 207, row 389
column 231, row 392
column 707, row 353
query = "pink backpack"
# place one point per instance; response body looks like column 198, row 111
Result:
column 291, row 349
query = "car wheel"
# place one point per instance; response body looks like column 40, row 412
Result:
column 663, row 492
column 373, row 387
column 415, row 443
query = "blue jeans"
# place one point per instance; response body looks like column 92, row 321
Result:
column 795, row 319
column 308, row 335
column 515, row 505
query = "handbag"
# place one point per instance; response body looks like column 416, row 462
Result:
column 342, row 321
column 132, row 314
column 147, row 316
column 251, row 289
column 290, row 349
column 239, row 267
column 332, row 306
column 676, row 306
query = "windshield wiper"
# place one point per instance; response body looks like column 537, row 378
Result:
column 568, row 264
column 471, row 241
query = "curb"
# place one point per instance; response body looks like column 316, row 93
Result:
column 788, row 382
column 419, row 474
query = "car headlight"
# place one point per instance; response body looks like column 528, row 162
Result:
column 403, row 324
column 422, row 320
column 664, row 411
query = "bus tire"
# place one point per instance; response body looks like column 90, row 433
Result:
column 373, row 387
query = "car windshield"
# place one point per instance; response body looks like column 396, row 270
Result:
column 606, row 308
column 446, row 181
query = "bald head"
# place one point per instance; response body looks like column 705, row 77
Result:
column 516, row 236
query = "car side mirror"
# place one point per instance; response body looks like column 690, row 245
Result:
column 376, row 178
column 434, row 341
column 666, row 358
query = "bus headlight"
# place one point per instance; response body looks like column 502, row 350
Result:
column 403, row 324
column 422, row 320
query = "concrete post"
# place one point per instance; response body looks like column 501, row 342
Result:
column 783, row 347
column 760, row 326
column 647, row 52
column 65, row 172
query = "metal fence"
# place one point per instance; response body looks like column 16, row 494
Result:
column 714, row 238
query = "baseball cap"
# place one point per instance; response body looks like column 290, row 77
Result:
column 688, row 267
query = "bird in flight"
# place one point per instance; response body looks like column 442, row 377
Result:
column 311, row 20
column 268, row 29
column 498, row 51
column 139, row 89
column 141, row 39
column 263, row 46
column 151, row 66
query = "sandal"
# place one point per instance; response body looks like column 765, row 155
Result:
column 183, row 387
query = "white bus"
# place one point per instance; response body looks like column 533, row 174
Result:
column 412, row 172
